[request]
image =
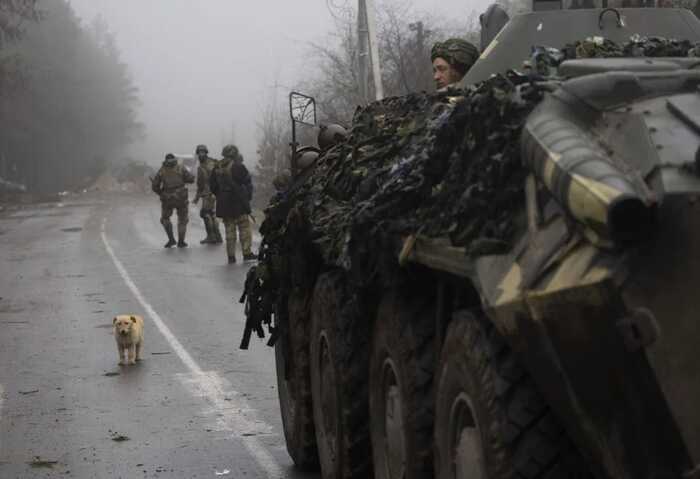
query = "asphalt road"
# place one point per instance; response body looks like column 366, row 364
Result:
column 196, row 406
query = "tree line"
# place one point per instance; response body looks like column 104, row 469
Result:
column 67, row 101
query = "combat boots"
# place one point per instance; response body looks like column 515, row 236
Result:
column 250, row 257
column 171, row 237
column 216, row 233
column 210, row 237
column 181, row 239
column 231, row 259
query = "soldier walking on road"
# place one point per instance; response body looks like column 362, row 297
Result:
column 169, row 184
column 231, row 183
column 207, row 211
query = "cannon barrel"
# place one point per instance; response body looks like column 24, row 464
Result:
column 583, row 180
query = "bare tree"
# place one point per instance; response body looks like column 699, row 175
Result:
column 405, row 38
column 404, row 44
column 332, row 76
column 273, row 151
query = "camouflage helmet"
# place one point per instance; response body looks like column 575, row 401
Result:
column 170, row 160
column 306, row 157
column 229, row 151
column 330, row 135
column 281, row 181
column 459, row 53
column 201, row 148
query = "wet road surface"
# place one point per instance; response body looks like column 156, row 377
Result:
column 196, row 406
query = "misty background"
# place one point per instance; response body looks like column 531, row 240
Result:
column 89, row 84
column 95, row 91
column 206, row 69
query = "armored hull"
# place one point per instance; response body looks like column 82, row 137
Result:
column 497, row 280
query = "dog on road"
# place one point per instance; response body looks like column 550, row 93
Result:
column 128, row 331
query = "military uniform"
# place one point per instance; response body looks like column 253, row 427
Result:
column 231, row 183
column 169, row 183
column 207, row 210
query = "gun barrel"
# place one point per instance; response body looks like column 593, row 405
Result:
column 583, row 180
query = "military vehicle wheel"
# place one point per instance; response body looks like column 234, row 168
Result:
column 339, row 381
column 294, row 386
column 490, row 421
column 400, row 391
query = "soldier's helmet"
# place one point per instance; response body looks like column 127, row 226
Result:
column 201, row 148
column 281, row 181
column 306, row 157
column 459, row 53
column 229, row 151
column 330, row 135
column 170, row 160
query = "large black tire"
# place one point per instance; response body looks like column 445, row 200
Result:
column 294, row 385
column 491, row 421
column 401, row 388
column 339, row 357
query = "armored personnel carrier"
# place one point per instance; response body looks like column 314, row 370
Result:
column 496, row 281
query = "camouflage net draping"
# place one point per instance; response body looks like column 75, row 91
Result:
column 544, row 60
column 441, row 165
column 637, row 46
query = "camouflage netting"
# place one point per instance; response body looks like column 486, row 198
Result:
column 441, row 165
column 638, row 46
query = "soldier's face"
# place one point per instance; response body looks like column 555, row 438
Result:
column 202, row 155
column 444, row 74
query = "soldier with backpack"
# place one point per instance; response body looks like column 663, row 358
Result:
column 231, row 183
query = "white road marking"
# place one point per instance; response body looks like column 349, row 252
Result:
column 228, row 405
column 239, row 418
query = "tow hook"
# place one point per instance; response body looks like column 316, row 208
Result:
column 639, row 330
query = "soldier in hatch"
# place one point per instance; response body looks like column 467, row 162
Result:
column 169, row 183
column 207, row 211
column 452, row 59
column 231, row 183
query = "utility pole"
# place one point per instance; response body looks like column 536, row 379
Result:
column 420, row 35
column 368, row 50
column 374, row 50
column 423, row 79
column 362, row 50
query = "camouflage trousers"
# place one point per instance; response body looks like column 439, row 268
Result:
column 242, row 225
column 208, row 205
column 208, row 208
column 166, row 211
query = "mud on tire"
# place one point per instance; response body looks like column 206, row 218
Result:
column 401, row 388
column 339, row 336
column 491, row 421
column 294, row 385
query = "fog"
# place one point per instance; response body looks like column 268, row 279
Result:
column 205, row 69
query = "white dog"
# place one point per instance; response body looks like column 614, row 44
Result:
column 128, row 331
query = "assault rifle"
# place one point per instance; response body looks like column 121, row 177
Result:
column 254, row 314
